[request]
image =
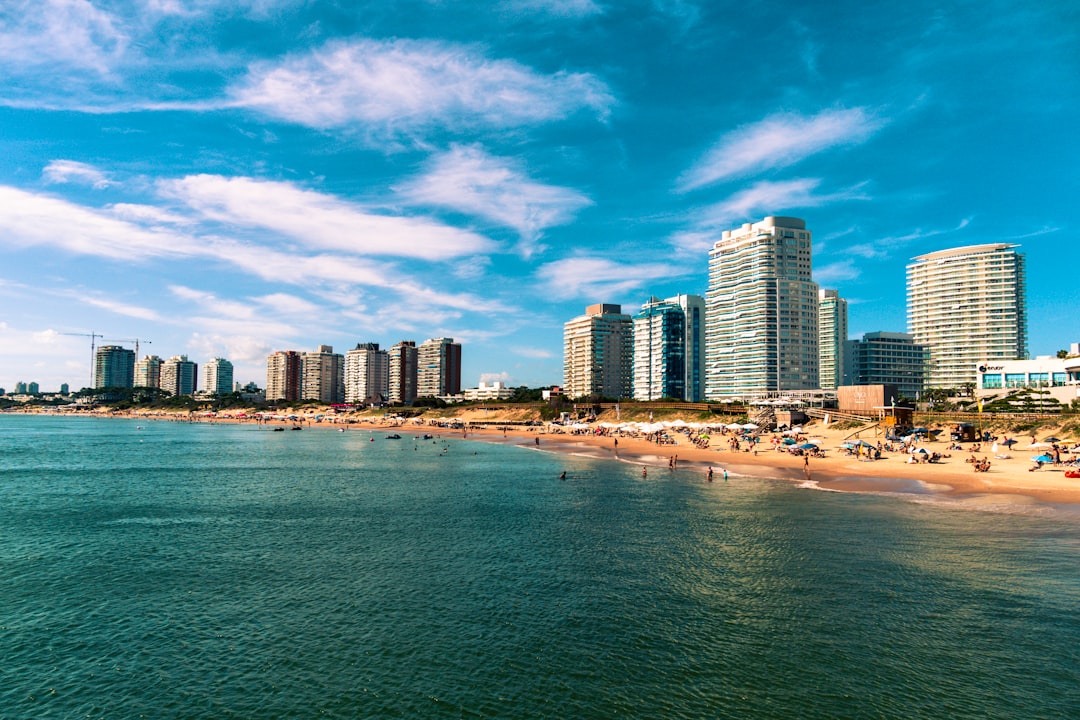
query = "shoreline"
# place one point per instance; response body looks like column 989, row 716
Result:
column 952, row 477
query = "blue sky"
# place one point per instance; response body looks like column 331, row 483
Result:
column 229, row 178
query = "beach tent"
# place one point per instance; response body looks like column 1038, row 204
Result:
column 1042, row 459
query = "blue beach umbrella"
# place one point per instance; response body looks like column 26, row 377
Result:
column 808, row 446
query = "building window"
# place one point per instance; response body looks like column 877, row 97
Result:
column 991, row 382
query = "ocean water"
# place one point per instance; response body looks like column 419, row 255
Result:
column 197, row 571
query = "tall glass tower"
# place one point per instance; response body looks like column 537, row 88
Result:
column 668, row 336
column 761, row 316
column 832, row 335
column 967, row 305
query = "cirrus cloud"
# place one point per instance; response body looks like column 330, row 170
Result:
column 469, row 180
column 400, row 87
column 778, row 141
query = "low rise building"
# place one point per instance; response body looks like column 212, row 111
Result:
column 488, row 391
column 1057, row 377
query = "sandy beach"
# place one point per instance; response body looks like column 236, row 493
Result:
column 1008, row 479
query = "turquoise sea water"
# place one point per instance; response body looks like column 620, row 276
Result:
column 197, row 571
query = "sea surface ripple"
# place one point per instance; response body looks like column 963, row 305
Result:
column 197, row 571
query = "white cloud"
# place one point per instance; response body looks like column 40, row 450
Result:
column 883, row 247
column 840, row 271
column 774, row 198
column 558, row 8
column 490, row 377
column 779, row 141
column 534, row 353
column 59, row 33
column 319, row 220
column 398, row 87
column 65, row 171
column 31, row 219
column 599, row 278
column 117, row 307
column 469, row 180
column 148, row 214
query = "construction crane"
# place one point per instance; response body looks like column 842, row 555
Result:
column 93, row 338
column 136, row 341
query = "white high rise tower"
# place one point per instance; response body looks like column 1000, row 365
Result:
column 761, row 317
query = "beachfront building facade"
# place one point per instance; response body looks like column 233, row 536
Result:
column 496, row 390
column 761, row 322
column 1054, row 377
column 967, row 305
column 114, row 366
column 668, row 337
column 218, row 377
column 367, row 374
column 401, row 385
column 438, row 368
column 886, row 358
column 832, row 334
column 322, row 373
column 148, row 372
column 179, row 376
column 283, row 378
column 598, row 353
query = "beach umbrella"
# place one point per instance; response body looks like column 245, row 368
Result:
column 734, row 426
column 749, row 426
column 1036, row 445
column 789, row 441
column 1008, row 443
column 1042, row 459
column 808, row 446
column 1051, row 439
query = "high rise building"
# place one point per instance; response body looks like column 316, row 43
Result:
column 438, row 368
column 367, row 374
column 402, row 379
column 20, row 388
column 323, row 376
column 668, row 347
column 886, row 358
column 218, row 376
column 832, row 334
column 63, row 389
column 761, row 322
column 283, row 378
column 148, row 372
column 967, row 305
column 114, row 366
column 33, row 388
column 179, row 375
column 598, row 353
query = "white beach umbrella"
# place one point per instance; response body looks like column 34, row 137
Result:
column 749, row 426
